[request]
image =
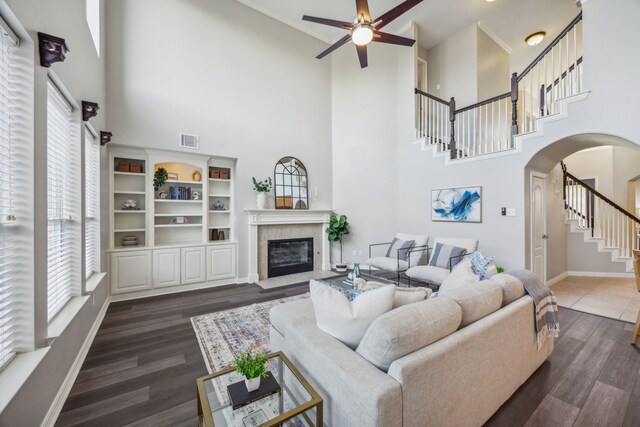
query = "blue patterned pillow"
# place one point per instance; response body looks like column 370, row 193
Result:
column 479, row 263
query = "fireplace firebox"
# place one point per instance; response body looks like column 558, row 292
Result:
column 289, row 256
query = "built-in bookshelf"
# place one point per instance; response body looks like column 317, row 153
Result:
column 195, row 205
column 179, row 204
column 220, row 209
column 128, row 201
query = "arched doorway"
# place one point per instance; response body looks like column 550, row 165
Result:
column 580, row 237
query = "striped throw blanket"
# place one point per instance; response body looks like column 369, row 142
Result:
column 544, row 303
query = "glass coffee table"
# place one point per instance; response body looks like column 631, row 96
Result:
column 297, row 404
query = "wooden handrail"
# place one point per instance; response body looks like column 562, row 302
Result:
column 435, row 98
column 482, row 103
column 550, row 46
column 603, row 198
column 563, row 75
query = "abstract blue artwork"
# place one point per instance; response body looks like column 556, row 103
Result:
column 457, row 204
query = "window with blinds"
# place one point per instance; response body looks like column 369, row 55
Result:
column 9, row 304
column 92, row 203
column 62, row 177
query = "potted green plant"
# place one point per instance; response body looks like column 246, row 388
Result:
column 159, row 178
column 338, row 227
column 262, row 187
column 252, row 367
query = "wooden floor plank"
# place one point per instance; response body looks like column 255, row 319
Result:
column 103, row 407
column 553, row 412
column 605, row 406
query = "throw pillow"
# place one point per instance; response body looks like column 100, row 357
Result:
column 480, row 263
column 400, row 248
column 462, row 275
column 443, row 253
column 403, row 296
column 347, row 320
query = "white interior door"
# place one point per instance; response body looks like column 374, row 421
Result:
column 538, row 200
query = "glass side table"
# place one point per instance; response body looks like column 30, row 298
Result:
column 294, row 405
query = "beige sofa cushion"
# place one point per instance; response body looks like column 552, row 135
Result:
column 512, row 287
column 280, row 315
column 477, row 300
column 407, row 329
column 403, row 296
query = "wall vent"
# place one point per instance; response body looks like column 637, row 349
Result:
column 189, row 141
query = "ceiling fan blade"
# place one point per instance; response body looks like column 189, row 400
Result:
column 334, row 46
column 394, row 13
column 362, row 7
column 330, row 22
column 381, row 37
column 362, row 55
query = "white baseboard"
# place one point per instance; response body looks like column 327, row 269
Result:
column 601, row 274
column 558, row 278
column 56, row 407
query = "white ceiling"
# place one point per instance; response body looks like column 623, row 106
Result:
column 510, row 20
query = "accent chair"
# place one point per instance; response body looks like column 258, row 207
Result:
column 434, row 276
column 399, row 257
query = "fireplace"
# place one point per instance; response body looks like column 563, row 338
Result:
column 289, row 256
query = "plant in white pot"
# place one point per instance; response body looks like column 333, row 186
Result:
column 338, row 227
column 252, row 367
column 262, row 187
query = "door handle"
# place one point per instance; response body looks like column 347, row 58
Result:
column 544, row 236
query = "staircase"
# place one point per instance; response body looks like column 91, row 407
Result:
column 600, row 220
column 494, row 125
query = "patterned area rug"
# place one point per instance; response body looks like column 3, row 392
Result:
column 223, row 335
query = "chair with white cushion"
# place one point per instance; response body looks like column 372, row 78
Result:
column 441, row 261
column 404, row 251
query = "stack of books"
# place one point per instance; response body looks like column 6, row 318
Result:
column 180, row 193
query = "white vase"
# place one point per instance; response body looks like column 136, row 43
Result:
column 261, row 200
column 252, row 384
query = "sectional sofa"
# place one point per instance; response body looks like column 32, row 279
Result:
column 452, row 360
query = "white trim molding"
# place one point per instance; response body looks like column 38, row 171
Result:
column 63, row 392
column 557, row 279
column 259, row 217
column 601, row 274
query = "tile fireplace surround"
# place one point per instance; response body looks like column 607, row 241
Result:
column 271, row 224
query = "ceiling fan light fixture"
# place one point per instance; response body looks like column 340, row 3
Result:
column 362, row 34
column 535, row 38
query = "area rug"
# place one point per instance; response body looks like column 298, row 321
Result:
column 224, row 334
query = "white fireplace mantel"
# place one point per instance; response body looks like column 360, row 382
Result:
column 259, row 217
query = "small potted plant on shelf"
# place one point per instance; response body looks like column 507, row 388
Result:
column 252, row 367
column 159, row 178
column 262, row 187
column 338, row 227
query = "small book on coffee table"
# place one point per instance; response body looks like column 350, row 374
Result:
column 240, row 396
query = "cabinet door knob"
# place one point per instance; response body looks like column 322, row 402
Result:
column 544, row 236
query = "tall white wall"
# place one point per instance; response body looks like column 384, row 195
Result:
column 453, row 67
column 83, row 75
column 248, row 85
column 493, row 68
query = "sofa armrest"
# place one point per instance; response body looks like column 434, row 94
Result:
column 353, row 390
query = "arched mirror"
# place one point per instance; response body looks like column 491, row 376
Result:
column 290, row 178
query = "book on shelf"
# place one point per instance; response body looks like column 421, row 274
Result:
column 180, row 193
column 240, row 396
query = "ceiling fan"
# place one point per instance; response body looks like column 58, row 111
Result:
column 364, row 30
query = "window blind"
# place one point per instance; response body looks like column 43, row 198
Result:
column 92, row 203
column 9, row 294
column 63, row 233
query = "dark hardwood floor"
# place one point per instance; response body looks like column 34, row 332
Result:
column 142, row 366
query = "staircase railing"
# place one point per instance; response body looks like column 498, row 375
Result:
column 489, row 126
column 607, row 220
